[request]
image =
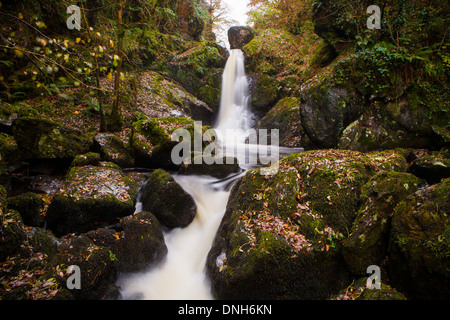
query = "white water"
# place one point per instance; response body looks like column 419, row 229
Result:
column 182, row 275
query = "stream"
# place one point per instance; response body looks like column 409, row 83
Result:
column 181, row 276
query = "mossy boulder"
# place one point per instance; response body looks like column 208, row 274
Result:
column 45, row 139
column 98, row 267
column 367, row 243
column 168, row 201
column 389, row 125
column 13, row 233
column 90, row 158
column 199, row 71
column 419, row 243
column 91, row 197
column 160, row 96
column 326, row 110
column 113, row 149
column 151, row 142
column 281, row 235
column 8, row 148
column 143, row 243
column 284, row 116
column 29, row 205
column 358, row 290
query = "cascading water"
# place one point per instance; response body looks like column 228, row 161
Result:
column 182, row 274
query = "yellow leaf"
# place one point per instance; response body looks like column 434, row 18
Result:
column 20, row 15
column 110, row 76
column 78, row 40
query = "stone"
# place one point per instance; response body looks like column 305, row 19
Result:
column 168, row 201
column 239, row 36
column 420, row 242
column 91, row 197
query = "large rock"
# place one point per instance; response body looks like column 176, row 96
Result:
column 326, row 111
column 113, row 149
column 239, row 36
column 284, row 116
column 420, row 243
column 45, row 139
column 281, row 235
column 143, row 243
column 98, row 267
column 91, row 197
column 367, row 243
column 29, row 205
column 199, row 70
column 168, row 201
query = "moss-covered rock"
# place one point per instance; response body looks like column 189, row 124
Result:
column 151, row 140
column 199, row 70
column 160, row 96
column 91, row 197
column 113, row 149
column 326, row 111
column 13, row 233
column 367, row 243
column 143, row 243
column 45, row 139
column 359, row 290
column 29, row 205
column 285, row 117
column 90, row 158
column 168, row 201
column 281, row 235
column 98, row 267
column 419, row 243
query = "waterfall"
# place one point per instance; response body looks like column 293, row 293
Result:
column 234, row 110
column 182, row 274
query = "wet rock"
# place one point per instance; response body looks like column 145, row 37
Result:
column 359, row 290
column 90, row 158
column 98, row 267
column 282, row 234
column 239, row 36
column 226, row 167
column 29, row 205
column 113, row 149
column 45, row 139
column 199, row 70
column 168, row 201
column 420, row 242
column 284, row 116
column 142, row 244
column 91, row 197
column 326, row 111
column 367, row 243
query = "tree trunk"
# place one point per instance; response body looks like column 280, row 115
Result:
column 115, row 123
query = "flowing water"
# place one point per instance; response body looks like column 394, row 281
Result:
column 181, row 276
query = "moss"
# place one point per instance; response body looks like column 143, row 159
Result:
column 418, row 240
column 29, row 205
column 41, row 138
column 90, row 158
